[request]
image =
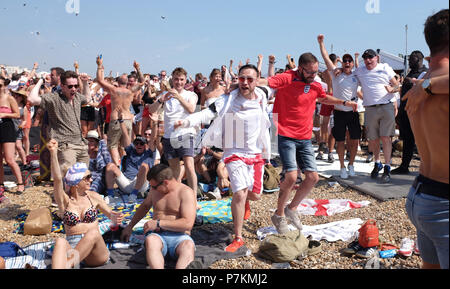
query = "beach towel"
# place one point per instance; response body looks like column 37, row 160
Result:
column 345, row 230
column 328, row 207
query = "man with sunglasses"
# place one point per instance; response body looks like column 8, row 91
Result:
column 174, row 211
column 345, row 87
column 241, row 128
column 378, row 84
column 131, row 180
column 64, row 109
column 297, row 92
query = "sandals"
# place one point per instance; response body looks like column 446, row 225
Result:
column 20, row 191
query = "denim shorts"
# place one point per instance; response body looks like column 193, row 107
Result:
column 178, row 147
column 74, row 240
column 293, row 151
column 170, row 241
column 429, row 214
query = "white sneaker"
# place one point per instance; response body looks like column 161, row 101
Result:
column 351, row 171
column 407, row 247
column 344, row 174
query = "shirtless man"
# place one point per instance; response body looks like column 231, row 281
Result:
column 428, row 109
column 121, row 99
column 174, row 209
column 213, row 90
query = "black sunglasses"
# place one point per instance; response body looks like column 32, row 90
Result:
column 159, row 184
column 72, row 86
column 88, row 177
column 347, row 61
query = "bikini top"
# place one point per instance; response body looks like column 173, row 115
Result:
column 71, row 219
column 5, row 109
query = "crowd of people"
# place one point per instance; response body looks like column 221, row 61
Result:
column 156, row 136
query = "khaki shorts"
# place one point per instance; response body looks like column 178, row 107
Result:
column 115, row 133
column 69, row 154
column 361, row 118
column 379, row 121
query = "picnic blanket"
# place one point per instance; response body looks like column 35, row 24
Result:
column 328, row 207
column 345, row 230
column 209, row 248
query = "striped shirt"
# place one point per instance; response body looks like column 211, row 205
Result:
column 63, row 117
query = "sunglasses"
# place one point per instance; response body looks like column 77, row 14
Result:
column 347, row 61
column 159, row 184
column 72, row 86
column 310, row 72
column 249, row 79
column 139, row 143
column 88, row 177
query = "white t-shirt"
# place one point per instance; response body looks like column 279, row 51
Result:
column 373, row 84
column 247, row 115
column 345, row 87
column 173, row 111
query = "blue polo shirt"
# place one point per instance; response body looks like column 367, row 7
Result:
column 134, row 161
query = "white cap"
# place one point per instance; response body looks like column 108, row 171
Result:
column 93, row 134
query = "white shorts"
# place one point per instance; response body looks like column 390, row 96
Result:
column 245, row 171
column 126, row 185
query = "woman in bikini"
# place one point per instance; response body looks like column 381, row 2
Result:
column 78, row 209
column 8, row 110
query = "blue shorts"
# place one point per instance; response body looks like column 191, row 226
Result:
column 293, row 151
column 170, row 241
column 178, row 147
column 74, row 240
column 429, row 214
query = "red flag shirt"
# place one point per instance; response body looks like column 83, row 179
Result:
column 295, row 103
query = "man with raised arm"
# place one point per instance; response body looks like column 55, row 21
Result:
column 121, row 99
column 297, row 92
column 345, row 87
column 174, row 210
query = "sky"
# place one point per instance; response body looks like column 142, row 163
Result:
column 200, row 35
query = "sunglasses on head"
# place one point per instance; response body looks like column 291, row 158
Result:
column 159, row 184
column 72, row 86
column 243, row 78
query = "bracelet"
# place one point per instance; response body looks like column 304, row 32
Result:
column 160, row 102
column 120, row 120
column 157, row 224
column 344, row 102
column 272, row 62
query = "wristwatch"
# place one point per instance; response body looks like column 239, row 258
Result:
column 426, row 85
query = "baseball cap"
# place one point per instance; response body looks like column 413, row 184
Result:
column 140, row 138
column 93, row 134
column 347, row 56
column 369, row 53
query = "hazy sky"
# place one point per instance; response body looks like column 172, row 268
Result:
column 202, row 34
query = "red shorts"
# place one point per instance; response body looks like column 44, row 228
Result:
column 326, row 109
column 145, row 113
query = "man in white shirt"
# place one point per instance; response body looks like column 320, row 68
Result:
column 345, row 87
column 241, row 127
column 378, row 85
column 178, row 144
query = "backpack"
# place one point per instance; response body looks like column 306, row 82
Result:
column 271, row 179
column 282, row 248
column 10, row 249
column 368, row 234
